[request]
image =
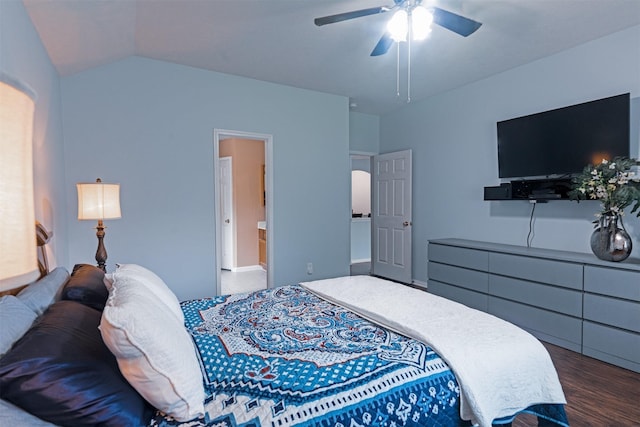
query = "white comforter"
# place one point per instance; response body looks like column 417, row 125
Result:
column 501, row 369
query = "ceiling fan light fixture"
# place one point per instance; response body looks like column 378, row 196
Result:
column 421, row 20
column 398, row 26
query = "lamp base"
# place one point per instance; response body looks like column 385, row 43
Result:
column 101, row 253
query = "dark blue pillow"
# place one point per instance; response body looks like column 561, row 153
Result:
column 86, row 286
column 62, row 372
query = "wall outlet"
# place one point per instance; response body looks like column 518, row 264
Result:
column 309, row 268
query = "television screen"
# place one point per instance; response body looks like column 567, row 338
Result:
column 563, row 141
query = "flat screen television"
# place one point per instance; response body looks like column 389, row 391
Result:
column 563, row 141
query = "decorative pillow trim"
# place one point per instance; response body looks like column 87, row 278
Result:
column 152, row 282
column 154, row 350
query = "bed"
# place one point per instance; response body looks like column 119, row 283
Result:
column 352, row 351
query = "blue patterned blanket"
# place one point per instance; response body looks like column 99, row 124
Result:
column 285, row 357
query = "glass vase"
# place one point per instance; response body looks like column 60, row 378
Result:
column 609, row 242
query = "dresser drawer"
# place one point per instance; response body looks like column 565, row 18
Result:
column 611, row 311
column 458, row 276
column 565, row 298
column 552, row 298
column 555, row 328
column 463, row 296
column 616, row 283
column 462, row 257
column 612, row 345
column 537, row 269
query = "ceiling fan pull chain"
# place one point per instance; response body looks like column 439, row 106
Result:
column 408, row 70
column 398, row 69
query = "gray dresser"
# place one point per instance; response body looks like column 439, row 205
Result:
column 570, row 299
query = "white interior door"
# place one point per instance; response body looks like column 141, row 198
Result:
column 226, row 212
column 391, row 216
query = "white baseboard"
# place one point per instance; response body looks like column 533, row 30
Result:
column 246, row 268
column 357, row 261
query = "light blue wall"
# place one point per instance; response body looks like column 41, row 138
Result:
column 360, row 240
column 363, row 164
column 453, row 138
column 364, row 134
column 22, row 57
column 148, row 125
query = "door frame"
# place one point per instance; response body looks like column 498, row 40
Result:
column 219, row 134
column 227, row 234
column 369, row 154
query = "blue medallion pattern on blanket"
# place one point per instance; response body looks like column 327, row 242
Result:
column 284, row 357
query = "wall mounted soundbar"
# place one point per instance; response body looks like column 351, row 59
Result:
column 534, row 189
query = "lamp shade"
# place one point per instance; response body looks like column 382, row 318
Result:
column 97, row 200
column 18, row 256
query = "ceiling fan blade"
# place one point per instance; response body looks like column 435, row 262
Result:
column 456, row 23
column 383, row 45
column 331, row 19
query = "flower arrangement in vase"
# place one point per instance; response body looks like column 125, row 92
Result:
column 617, row 187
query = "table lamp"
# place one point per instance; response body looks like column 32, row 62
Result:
column 99, row 201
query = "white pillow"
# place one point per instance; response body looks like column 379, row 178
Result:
column 39, row 295
column 16, row 319
column 108, row 281
column 154, row 283
column 155, row 352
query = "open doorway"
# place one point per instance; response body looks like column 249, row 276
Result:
column 242, row 164
column 360, row 214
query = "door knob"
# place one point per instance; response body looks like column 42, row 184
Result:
column 406, row 223
column 226, row 220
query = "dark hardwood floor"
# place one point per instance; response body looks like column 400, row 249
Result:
column 598, row 394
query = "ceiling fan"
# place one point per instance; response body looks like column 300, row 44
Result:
column 411, row 9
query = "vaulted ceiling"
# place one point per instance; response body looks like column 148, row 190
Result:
column 277, row 41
